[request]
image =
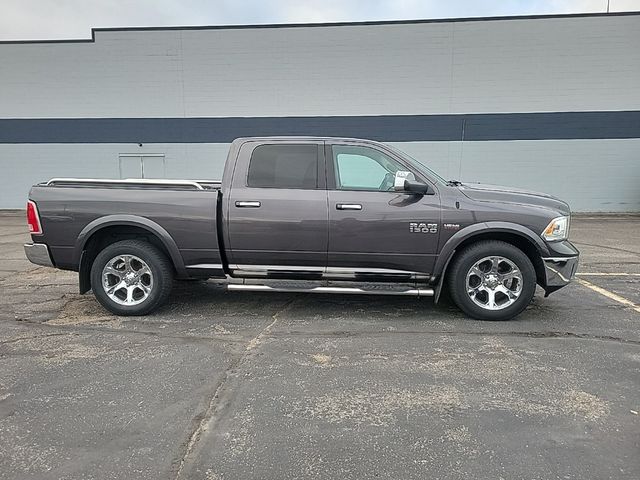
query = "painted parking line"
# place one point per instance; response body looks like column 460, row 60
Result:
column 602, row 274
column 610, row 295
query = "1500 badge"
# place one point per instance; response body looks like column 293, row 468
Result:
column 423, row 227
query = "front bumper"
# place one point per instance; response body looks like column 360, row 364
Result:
column 38, row 253
column 559, row 271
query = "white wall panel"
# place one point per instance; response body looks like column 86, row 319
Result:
column 592, row 175
column 566, row 64
column 26, row 164
column 553, row 64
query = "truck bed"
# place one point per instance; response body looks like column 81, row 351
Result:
column 182, row 213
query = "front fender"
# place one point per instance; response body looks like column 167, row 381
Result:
column 476, row 229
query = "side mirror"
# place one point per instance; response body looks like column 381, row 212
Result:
column 417, row 187
column 401, row 176
column 406, row 182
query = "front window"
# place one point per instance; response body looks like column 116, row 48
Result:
column 363, row 168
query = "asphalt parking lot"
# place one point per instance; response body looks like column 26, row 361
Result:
column 236, row 385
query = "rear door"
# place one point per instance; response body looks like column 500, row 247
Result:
column 277, row 209
column 373, row 229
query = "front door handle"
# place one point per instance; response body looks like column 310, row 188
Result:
column 348, row 206
column 248, row 204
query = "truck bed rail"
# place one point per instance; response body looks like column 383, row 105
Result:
column 135, row 183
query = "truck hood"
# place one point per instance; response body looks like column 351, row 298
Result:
column 496, row 193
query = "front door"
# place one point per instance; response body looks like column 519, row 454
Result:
column 372, row 228
column 277, row 210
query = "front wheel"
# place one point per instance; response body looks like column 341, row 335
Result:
column 131, row 277
column 492, row 280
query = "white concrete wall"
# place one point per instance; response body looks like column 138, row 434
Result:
column 558, row 64
column 22, row 165
column 536, row 65
column 552, row 166
column 592, row 175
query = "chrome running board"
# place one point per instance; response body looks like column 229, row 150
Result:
column 414, row 292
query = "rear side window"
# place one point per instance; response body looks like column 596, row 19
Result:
column 284, row 166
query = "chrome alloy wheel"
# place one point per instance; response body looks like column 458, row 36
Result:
column 494, row 283
column 127, row 280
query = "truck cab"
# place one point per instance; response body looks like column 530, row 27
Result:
column 331, row 208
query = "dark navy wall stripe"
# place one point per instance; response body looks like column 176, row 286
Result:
column 390, row 128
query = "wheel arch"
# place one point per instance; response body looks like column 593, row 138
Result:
column 93, row 237
column 519, row 236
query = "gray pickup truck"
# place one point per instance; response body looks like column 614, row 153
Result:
column 306, row 214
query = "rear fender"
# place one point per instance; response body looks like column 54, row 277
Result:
column 84, row 263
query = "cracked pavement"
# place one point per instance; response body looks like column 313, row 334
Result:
column 237, row 385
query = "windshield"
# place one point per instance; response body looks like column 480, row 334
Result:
column 419, row 165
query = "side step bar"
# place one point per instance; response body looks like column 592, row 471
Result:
column 413, row 292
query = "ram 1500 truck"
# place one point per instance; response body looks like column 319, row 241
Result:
column 306, row 214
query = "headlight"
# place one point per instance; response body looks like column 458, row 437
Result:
column 558, row 229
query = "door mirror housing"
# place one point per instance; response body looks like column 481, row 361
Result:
column 400, row 177
column 406, row 182
column 417, row 187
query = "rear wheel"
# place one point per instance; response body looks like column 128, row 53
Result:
column 131, row 277
column 492, row 280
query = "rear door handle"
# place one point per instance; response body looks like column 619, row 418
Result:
column 348, row 206
column 248, row 204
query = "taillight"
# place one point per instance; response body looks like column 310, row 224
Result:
column 33, row 218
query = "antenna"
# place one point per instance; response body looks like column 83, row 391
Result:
column 608, row 5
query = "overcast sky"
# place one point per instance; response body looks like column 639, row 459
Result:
column 51, row 19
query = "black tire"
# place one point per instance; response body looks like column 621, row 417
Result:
column 461, row 265
column 160, row 279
